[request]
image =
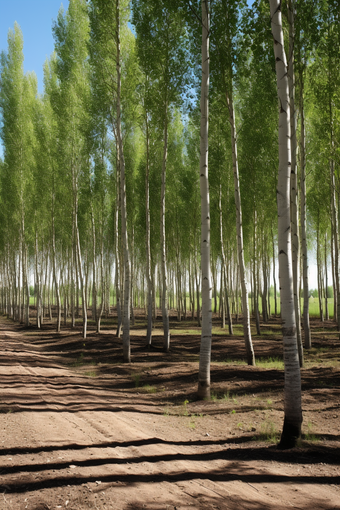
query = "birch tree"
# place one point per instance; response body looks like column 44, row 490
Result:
column 292, row 390
column 205, row 348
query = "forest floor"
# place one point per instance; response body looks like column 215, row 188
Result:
column 79, row 429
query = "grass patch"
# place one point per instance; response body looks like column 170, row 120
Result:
column 79, row 361
column 269, row 432
column 309, row 435
column 149, row 389
column 185, row 410
column 91, row 373
column 136, row 379
column 237, row 331
column 186, row 331
column 269, row 363
column 229, row 361
column 270, row 332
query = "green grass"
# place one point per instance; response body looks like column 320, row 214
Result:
column 269, row 432
column 309, row 435
column 149, row 389
column 136, row 379
column 185, row 331
column 91, row 373
column 79, row 362
column 270, row 363
column 314, row 307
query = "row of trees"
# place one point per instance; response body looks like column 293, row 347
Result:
column 100, row 183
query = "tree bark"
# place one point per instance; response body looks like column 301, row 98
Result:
column 303, row 206
column 205, row 348
column 127, row 286
column 165, row 311
column 293, row 180
column 239, row 228
column 148, row 240
column 292, row 390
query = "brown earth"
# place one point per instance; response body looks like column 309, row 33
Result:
column 82, row 430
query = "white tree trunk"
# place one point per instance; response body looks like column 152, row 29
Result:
column 165, row 311
column 293, row 180
column 80, row 271
column 304, row 251
column 292, row 391
column 37, row 282
column 239, row 228
column 126, row 308
column 55, row 273
column 205, row 349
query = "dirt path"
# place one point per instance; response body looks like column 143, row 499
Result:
column 69, row 440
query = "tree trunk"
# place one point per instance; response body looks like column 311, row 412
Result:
column 318, row 261
column 148, row 236
column 222, row 298
column 292, row 390
column 335, row 291
column 126, row 315
column 335, row 224
column 55, row 275
column 294, row 219
column 165, row 311
column 81, row 274
column 37, row 282
column 205, row 348
column 117, row 255
column 304, row 250
column 239, row 228
column 326, row 281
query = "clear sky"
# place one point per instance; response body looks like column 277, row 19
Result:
column 35, row 18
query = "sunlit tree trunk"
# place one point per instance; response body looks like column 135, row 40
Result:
column 326, row 281
column 304, row 250
column 117, row 253
column 239, row 228
column 37, row 282
column 319, row 265
column 223, row 262
column 80, row 268
column 127, row 288
column 292, row 390
column 205, row 349
column 165, row 312
column 293, row 180
column 55, row 273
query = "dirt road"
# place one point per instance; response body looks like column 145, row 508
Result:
column 71, row 440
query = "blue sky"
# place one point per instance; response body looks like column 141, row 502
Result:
column 35, row 18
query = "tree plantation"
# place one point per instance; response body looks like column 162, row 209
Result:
column 183, row 158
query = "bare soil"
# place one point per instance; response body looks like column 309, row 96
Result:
column 81, row 430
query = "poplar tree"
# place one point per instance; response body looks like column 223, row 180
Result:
column 162, row 55
column 17, row 93
column 205, row 348
column 223, row 72
column 71, row 32
column 108, row 21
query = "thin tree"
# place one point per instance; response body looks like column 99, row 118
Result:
column 205, row 349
